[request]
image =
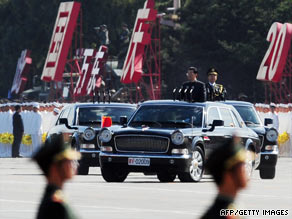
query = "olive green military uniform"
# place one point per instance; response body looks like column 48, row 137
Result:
column 216, row 92
column 221, row 202
column 54, row 205
column 221, row 160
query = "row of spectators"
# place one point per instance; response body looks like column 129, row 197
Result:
column 37, row 119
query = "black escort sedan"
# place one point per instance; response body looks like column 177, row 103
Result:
column 267, row 135
column 172, row 138
column 81, row 123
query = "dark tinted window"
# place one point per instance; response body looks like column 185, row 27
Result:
column 168, row 116
column 92, row 115
column 248, row 114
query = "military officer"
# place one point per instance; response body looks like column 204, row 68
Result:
column 227, row 165
column 58, row 162
column 215, row 92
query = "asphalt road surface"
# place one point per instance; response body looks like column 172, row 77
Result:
column 21, row 187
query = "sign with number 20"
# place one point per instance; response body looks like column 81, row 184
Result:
column 274, row 60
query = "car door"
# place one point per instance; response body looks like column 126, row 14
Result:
column 211, row 138
column 223, row 133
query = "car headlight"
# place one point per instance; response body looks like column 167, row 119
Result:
column 272, row 135
column 177, row 137
column 105, row 135
column 180, row 151
column 89, row 134
column 271, row 147
column 87, row 146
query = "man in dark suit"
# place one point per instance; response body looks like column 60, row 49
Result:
column 17, row 131
column 215, row 92
column 193, row 90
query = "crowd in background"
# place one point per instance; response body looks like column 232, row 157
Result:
column 37, row 119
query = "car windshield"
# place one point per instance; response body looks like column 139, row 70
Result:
column 166, row 116
column 248, row 114
column 92, row 115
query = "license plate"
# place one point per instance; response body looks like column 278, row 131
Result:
column 139, row 162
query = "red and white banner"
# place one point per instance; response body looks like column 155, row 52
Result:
column 22, row 69
column 274, row 61
column 132, row 69
column 61, row 41
column 92, row 66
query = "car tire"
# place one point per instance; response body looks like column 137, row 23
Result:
column 196, row 167
column 267, row 172
column 83, row 169
column 166, row 177
column 113, row 175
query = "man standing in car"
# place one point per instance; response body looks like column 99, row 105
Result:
column 193, row 90
column 215, row 92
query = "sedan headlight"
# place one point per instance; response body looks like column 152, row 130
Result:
column 87, row 146
column 177, row 138
column 89, row 134
column 105, row 135
column 180, row 151
column 272, row 135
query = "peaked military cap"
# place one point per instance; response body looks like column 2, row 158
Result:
column 212, row 71
column 53, row 150
column 224, row 158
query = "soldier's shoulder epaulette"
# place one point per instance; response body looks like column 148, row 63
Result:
column 219, row 85
column 58, row 196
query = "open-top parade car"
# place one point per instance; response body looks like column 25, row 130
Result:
column 172, row 138
column 267, row 135
column 81, row 123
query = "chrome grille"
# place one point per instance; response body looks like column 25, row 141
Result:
column 141, row 143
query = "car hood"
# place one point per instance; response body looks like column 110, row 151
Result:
column 151, row 131
column 260, row 130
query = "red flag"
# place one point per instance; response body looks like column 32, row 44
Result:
column 106, row 121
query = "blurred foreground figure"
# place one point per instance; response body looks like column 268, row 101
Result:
column 59, row 163
column 227, row 165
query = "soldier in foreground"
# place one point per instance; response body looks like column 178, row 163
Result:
column 59, row 163
column 227, row 165
column 215, row 92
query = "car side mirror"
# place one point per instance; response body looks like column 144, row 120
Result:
column 123, row 120
column 268, row 121
column 65, row 122
column 218, row 123
column 214, row 124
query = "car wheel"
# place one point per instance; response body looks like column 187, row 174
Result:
column 83, row 169
column 267, row 172
column 113, row 175
column 249, row 163
column 196, row 167
column 166, row 177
